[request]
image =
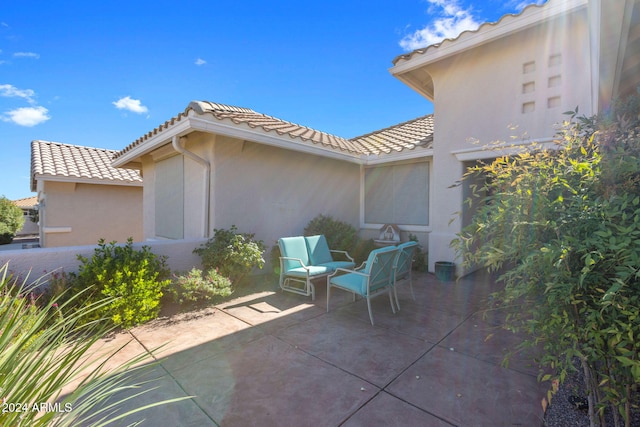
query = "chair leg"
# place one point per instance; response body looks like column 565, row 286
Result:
column 311, row 288
column 328, row 294
column 370, row 313
column 411, row 285
column 393, row 309
column 395, row 293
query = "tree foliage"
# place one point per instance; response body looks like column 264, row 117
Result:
column 11, row 220
column 562, row 225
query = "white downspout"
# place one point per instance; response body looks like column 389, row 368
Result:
column 207, row 173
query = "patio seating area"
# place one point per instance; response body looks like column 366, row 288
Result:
column 274, row 358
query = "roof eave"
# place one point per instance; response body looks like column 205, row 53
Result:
column 75, row 179
column 405, row 67
column 399, row 156
column 195, row 123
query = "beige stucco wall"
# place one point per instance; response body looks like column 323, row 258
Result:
column 516, row 86
column 261, row 189
column 275, row 192
column 81, row 214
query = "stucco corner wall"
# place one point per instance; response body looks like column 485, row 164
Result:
column 90, row 212
column 39, row 261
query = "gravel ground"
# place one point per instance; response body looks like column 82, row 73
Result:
column 564, row 410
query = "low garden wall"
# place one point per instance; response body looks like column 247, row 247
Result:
column 38, row 261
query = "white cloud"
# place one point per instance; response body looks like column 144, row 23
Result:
column 27, row 55
column 27, row 116
column 521, row 4
column 133, row 105
column 200, row 61
column 10, row 91
column 452, row 20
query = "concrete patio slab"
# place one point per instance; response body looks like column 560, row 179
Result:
column 274, row 358
column 271, row 383
column 467, row 391
column 379, row 356
column 389, row 411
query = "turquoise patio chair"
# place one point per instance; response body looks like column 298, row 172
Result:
column 304, row 259
column 372, row 278
column 403, row 267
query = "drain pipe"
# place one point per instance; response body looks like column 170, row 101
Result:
column 176, row 142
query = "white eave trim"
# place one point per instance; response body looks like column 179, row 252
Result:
column 503, row 149
column 406, row 154
column 76, row 180
column 489, row 32
column 280, row 141
column 163, row 137
column 191, row 124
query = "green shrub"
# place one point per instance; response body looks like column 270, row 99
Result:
column 135, row 279
column 339, row 234
column 192, row 287
column 11, row 220
column 420, row 260
column 232, row 254
column 41, row 352
column 566, row 223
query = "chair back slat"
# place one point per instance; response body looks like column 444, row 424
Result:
column 293, row 247
column 381, row 269
column 404, row 258
column 319, row 252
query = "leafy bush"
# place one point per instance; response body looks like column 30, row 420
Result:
column 134, row 279
column 41, row 352
column 420, row 261
column 566, row 223
column 192, row 287
column 340, row 236
column 232, row 254
column 11, row 220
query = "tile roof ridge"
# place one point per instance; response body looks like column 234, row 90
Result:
column 197, row 106
column 42, row 141
column 375, row 132
column 407, row 56
column 25, row 198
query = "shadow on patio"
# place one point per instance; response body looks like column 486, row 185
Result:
column 279, row 359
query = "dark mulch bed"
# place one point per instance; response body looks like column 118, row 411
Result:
column 568, row 406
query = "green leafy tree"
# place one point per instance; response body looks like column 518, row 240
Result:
column 562, row 225
column 11, row 220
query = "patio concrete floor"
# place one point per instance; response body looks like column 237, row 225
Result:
column 279, row 359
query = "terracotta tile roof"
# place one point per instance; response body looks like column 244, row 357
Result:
column 408, row 135
column 54, row 159
column 396, row 138
column 482, row 28
column 27, row 202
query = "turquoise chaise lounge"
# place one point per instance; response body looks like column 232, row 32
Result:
column 304, row 258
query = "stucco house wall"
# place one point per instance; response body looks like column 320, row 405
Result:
column 275, row 193
column 81, row 198
column 509, row 89
column 264, row 190
column 80, row 214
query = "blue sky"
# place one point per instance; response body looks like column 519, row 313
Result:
column 103, row 73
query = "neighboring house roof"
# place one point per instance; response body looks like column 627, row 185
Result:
column 54, row 161
column 405, row 136
column 27, row 202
